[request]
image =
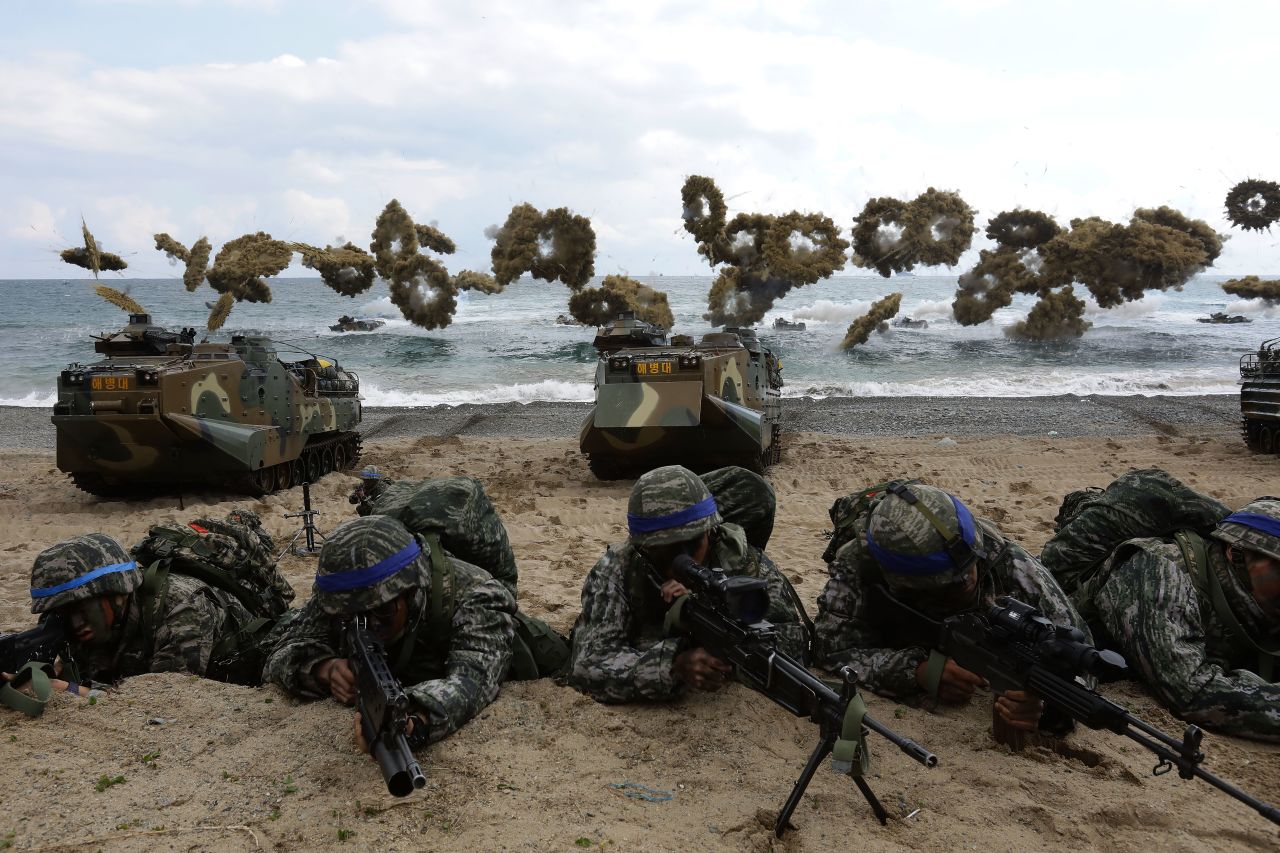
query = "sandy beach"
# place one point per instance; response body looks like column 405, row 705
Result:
column 212, row 766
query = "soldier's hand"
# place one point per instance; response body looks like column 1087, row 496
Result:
column 1020, row 709
column 673, row 589
column 336, row 675
column 700, row 669
column 957, row 685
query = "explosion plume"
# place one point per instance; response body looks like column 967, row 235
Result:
column 1253, row 287
column 119, row 298
column 596, row 306
column 1057, row 316
column 891, row 235
column 1254, row 204
column 880, row 312
column 90, row 256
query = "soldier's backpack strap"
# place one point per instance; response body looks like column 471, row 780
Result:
column 155, row 583
column 32, row 704
column 1195, row 553
column 440, row 605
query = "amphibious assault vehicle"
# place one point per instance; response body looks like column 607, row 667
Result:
column 663, row 401
column 161, row 411
column 1260, row 397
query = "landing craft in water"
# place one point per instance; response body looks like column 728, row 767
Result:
column 160, row 411
column 1219, row 317
column 782, row 324
column 663, row 401
column 357, row 324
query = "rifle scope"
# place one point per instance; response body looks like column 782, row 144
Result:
column 745, row 599
column 1061, row 647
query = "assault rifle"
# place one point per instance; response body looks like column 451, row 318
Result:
column 725, row 615
column 1015, row 647
column 44, row 643
column 384, row 709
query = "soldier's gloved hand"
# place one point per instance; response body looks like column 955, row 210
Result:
column 1020, row 709
column 673, row 589
column 957, row 685
column 363, row 744
column 700, row 669
column 335, row 675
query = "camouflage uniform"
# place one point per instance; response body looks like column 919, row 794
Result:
column 621, row 651
column 1145, row 602
column 849, row 632
column 185, row 623
column 454, row 508
column 450, row 678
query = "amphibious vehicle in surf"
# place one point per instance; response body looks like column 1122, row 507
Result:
column 664, row 401
column 161, row 411
column 1260, row 397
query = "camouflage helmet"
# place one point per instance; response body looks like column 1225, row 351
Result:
column 668, row 505
column 922, row 538
column 81, row 568
column 1254, row 527
column 746, row 499
column 241, row 515
column 370, row 472
column 367, row 562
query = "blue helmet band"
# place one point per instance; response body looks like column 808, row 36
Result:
column 950, row 559
column 45, row 592
column 378, row 572
column 650, row 524
column 1262, row 523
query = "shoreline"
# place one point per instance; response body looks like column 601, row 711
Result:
column 1068, row 415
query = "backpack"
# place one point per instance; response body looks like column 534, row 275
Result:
column 848, row 509
column 234, row 556
column 456, row 510
column 1148, row 503
column 746, row 499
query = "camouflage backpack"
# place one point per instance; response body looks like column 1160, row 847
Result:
column 234, row 555
column 848, row 509
column 746, row 499
column 457, row 510
column 1146, row 503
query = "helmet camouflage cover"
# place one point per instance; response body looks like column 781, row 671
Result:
column 908, row 545
column 367, row 562
column 668, row 505
column 80, row 568
column 1254, row 527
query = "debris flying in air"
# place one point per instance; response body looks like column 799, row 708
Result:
column 1254, row 204
column 765, row 256
column 876, row 317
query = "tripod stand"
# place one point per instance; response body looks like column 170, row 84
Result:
column 308, row 526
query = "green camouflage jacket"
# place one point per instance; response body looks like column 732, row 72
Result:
column 451, row 682
column 1145, row 600
column 850, row 634
column 191, row 618
column 620, row 650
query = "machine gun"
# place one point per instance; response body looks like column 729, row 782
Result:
column 725, row 615
column 1015, row 647
column 384, row 709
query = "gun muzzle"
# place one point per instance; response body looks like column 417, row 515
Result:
column 401, row 770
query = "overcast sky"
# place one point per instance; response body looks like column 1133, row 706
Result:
column 302, row 118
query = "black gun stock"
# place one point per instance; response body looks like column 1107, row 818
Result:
column 1015, row 647
column 725, row 615
column 384, row 710
column 44, row 643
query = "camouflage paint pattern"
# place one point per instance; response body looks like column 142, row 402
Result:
column 454, row 508
column 621, row 652
column 1260, row 397
column 851, row 632
column 162, row 409
column 1147, row 604
column 450, row 679
column 717, row 402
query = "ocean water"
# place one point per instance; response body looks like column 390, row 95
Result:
column 509, row 347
